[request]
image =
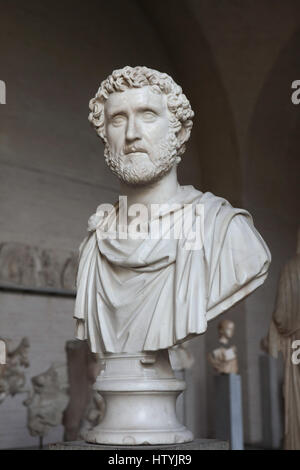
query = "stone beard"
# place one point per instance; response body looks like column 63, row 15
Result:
column 151, row 294
column 138, row 172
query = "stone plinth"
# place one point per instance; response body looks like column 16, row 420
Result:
column 271, row 402
column 228, row 406
column 197, row 444
column 140, row 392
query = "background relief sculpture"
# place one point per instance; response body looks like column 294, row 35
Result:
column 47, row 400
column 28, row 266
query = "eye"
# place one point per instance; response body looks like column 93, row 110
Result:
column 118, row 120
column 149, row 116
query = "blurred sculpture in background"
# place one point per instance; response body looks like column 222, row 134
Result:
column 47, row 401
column 93, row 414
column 181, row 357
column 86, row 406
column 283, row 332
column 224, row 359
column 12, row 375
column 2, row 352
column 2, row 364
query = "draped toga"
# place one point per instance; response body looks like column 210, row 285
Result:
column 155, row 293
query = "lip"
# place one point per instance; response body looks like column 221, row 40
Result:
column 135, row 153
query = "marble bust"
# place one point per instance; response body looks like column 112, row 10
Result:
column 146, row 294
column 145, row 121
column 224, row 358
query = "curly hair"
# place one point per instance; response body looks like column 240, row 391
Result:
column 138, row 77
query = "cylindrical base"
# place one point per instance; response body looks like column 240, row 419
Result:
column 140, row 393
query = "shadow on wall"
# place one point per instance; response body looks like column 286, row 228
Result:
column 214, row 132
column 274, row 142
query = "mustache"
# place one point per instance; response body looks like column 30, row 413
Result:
column 134, row 149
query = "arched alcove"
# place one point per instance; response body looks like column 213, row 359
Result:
column 271, row 192
column 271, row 171
column 216, row 167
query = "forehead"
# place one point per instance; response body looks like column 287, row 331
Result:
column 135, row 98
column 224, row 325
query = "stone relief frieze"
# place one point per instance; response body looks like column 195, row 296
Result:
column 34, row 267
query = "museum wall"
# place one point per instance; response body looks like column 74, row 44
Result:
column 52, row 170
column 235, row 61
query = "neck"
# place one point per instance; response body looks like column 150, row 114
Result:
column 154, row 193
column 223, row 340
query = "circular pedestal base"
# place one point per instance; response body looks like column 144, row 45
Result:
column 103, row 436
column 140, row 395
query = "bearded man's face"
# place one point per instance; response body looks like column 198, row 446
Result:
column 141, row 145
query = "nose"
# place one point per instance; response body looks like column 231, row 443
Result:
column 132, row 130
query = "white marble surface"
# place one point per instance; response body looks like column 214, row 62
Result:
column 139, row 294
column 140, row 392
column 198, row 285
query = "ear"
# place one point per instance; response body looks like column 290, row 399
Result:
column 183, row 135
